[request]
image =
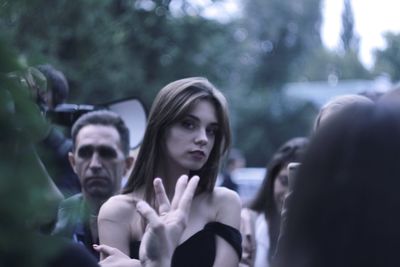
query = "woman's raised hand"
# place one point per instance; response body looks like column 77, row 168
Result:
column 165, row 228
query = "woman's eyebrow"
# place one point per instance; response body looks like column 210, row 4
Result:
column 191, row 116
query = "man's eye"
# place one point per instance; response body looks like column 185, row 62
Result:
column 107, row 153
column 85, row 152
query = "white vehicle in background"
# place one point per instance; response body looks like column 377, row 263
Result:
column 249, row 181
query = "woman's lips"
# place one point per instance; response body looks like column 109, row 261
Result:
column 198, row 154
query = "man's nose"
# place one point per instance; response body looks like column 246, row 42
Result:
column 95, row 161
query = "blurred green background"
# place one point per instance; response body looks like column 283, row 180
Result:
column 111, row 49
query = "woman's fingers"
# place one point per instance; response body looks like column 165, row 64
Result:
column 187, row 197
column 161, row 196
column 150, row 215
column 105, row 250
column 180, row 187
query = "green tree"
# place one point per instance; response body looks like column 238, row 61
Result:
column 264, row 121
column 282, row 31
column 112, row 49
column 321, row 64
column 350, row 41
column 22, row 189
column 387, row 60
column 278, row 36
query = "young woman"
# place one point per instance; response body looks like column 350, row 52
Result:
column 187, row 133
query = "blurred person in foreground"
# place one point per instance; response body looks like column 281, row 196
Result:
column 336, row 104
column 261, row 219
column 343, row 208
column 326, row 113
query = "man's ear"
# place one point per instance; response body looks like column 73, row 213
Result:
column 129, row 161
column 71, row 159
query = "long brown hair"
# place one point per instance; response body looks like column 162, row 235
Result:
column 264, row 202
column 171, row 104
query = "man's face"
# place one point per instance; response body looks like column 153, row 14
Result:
column 98, row 161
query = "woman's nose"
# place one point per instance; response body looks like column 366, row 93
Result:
column 201, row 138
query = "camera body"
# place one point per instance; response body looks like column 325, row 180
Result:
column 67, row 114
column 131, row 110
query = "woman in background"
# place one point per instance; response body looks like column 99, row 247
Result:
column 264, row 211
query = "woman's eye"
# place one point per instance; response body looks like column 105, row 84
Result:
column 212, row 131
column 284, row 180
column 188, row 124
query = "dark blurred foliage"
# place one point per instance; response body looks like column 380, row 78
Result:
column 113, row 49
column 110, row 49
column 22, row 187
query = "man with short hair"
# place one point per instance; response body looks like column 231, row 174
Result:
column 100, row 158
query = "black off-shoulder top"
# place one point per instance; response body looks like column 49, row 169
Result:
column 200, row 249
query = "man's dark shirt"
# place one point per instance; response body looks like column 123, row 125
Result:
column 73, row 222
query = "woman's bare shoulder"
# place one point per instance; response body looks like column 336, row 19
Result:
column 118, row 207
column 228, row 205
column 225, row 195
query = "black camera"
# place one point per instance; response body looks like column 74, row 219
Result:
column 131, row 110
column 67, row 114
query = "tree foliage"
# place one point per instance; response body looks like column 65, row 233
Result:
column 22, row 190
column 388, row 58
column 111, row 49
column 281, row 32
column 349, row 39
column 341, row 64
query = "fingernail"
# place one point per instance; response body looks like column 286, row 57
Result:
column 95, row 245
column 157, row 180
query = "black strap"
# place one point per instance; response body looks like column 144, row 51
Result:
column 228, row 233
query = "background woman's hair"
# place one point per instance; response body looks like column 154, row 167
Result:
column 264, row 202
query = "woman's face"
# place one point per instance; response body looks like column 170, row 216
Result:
column 281, row 187
column 189, row 141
